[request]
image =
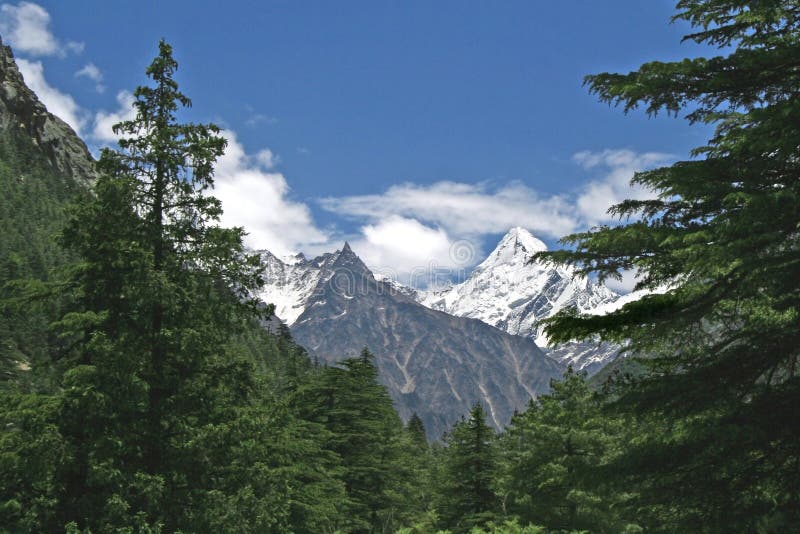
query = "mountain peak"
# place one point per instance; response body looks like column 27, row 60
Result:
column 517, row 245
column 347, row 255
column 512, row 293
column 524, row 240
column 349, row 260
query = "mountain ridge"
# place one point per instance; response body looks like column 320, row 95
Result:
column 507, row 292
column 434, row 364
column 44, row 167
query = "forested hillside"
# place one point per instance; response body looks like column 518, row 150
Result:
column 43, row 167
column 140, row 391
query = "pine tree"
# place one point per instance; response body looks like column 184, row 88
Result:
column 723, row 236
column 165, row 427
column 467, row 489
column 417, row 433
column 33, row 196
column 368, row 437
column 418, row 459
column 551, row 458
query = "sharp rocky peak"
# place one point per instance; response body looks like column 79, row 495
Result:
column 292, row 280
column 346, row 255
column 348, row 259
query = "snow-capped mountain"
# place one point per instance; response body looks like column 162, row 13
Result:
column 432, row 363
column 512, row 293
column 509, row 292
column 506, row 291
column 291, row 281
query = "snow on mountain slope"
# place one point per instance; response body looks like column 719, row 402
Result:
column 508, row 291
column 290, row 282
column 432, row 363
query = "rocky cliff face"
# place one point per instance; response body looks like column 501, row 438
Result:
column 432, row 363
column 21, row 111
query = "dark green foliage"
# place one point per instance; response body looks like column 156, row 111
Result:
column 552, row 461
column 156, row 298
column 32, row 199
column 420, row 462
column 31, row 451
column 33, row 195
column 466, row 487
column 417, row 433
column 724, row 445
column 365, row 433
column 314, row 504
column 160, row 421
column 169, row 405
column 141, row 393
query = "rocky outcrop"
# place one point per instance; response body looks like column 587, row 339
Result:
column 22, row 111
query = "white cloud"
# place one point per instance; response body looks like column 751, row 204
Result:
column 259, row 118
column 60, row 104
column 467, row 210
column 26, row 28
column 464, row 209
column 104, row 121
column 411, row 226
column 423, row 235
column 76, row 47
column 258, row 200
column 91, row 72
column 618, row 168
column 267, row 159
column 407, row 250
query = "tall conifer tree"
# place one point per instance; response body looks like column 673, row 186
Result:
column 722, row 235
column 466, row 491
column 165, row 425
column 550, row 458
column 367, row 435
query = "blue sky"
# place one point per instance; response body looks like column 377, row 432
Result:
column 409, row 128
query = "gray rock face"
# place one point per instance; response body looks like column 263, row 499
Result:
column 432, row 363
column 21, row 109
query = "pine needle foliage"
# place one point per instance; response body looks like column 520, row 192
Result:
column 721, row 235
